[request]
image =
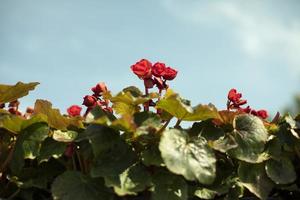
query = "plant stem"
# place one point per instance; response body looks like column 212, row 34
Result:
column 82, row 168
column 177, row 123
column 8, row 159
column 146, row 106
column 164, row 127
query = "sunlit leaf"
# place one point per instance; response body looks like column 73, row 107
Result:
column 10, row 93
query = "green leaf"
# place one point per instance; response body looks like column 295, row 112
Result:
column 190, row 157
column 168, row 186
column 281, row 171
column 151, row 156
column 73, row 185
column 112, row 154
column 205, row 193
column 64, row 136
column 174, row 105
column 146, row 122
column 51, row 148
column 12, row 123
column 16, row 124
column 53, row 116
column 134, row 179
column 254, row 178
column 28, row 145
column 136, row 92
column 34, row 135
column 126, row 103
column 251, row 135
column 113, row 160
column 224, row 144
column 101, row 138
column 10, row 93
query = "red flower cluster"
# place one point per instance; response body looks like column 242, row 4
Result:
column 235, row 101
column 90, row 101
column 156, row 74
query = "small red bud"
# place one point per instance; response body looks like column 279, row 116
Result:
column 89, row 101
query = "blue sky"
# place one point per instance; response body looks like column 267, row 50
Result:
column 69, row 46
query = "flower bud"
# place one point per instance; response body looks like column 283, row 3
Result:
column 15, row 103
column 262, row 114
column 99, row 88
column 89, row 101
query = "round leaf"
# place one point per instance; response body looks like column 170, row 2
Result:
column 190, row 157
column 281, row 171
column 73, row 185
column 251, row 135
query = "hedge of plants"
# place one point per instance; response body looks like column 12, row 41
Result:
column 136, row 145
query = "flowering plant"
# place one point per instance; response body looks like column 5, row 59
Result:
column 125, row 146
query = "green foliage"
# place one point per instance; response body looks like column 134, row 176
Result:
column 136, row 154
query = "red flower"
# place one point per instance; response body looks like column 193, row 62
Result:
column 170, row 73
column 99, row 88
column 89, row 101
column 142, row 69
column 234, row 96
column 74, row 110
column 262, row 114
column 158, row 69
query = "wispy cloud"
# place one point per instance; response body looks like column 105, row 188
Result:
column 261, row 32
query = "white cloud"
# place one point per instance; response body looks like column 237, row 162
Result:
column 261, row 32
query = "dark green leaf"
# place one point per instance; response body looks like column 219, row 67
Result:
column 167, row 186
column 73, row 185
column 254, row 178
column 281, row 171
column 134, row 179
column 51, row 148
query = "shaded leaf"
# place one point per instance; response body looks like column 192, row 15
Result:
column 134, row 179
column 51, row 148
column 73, row 185
column 254, row 178
column 281, row 171
column 167, row 186
column 190, row 157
